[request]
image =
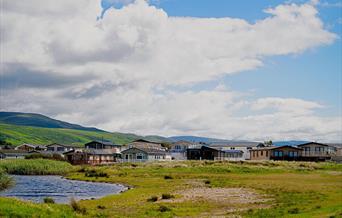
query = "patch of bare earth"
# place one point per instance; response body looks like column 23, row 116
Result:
column 228, row 201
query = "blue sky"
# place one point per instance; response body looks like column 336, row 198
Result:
column 315, row 75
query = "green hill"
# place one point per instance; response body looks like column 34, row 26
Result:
column 17, row 135
column 38, row 120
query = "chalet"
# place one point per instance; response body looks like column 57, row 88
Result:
column 244, row 147
column 14, row 154
column 57, row 149
column 97, row 145
column 286, row 152
column 233, row 155
column 92, row 156
column 313, row 151
column 141, row 143
column 144, row 154
column 204, row 153
column 30, row 147
column 178, row 149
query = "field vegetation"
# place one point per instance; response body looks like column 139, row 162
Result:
column 5, row 180
column 35, row 167
column 203, row 189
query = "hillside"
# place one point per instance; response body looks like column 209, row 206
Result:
column 38, row 120
column 36, row 135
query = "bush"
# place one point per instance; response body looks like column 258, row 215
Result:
column 167, row 196
column 293, row 211
column 94, row 173
column 153, row 199
column 48, row 200
column 76, row 207
column 163, row 208
column 101, row 207
column 168, row 177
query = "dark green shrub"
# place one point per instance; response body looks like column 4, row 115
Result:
column 167, row 196
column 153, row 199
column 293, row 211
column 163, row 208
column 168, row 177
column 48, row 200
column 101, row 207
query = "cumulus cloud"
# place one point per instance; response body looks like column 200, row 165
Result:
column 136, row 52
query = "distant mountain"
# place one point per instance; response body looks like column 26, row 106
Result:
column 291, row 143
column 207, row 140
column 38, row 120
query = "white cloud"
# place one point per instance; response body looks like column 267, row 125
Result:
column 136, row 53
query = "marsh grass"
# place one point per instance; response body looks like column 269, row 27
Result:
column 35, row 167
column 5, row 181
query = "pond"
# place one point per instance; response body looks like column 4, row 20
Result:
column 36, row 188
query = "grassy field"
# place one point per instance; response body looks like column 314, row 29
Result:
column 35, row 167
column 203, row 189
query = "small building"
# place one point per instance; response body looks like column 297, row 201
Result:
column 234, row 155
column 142, row 143
column 243, row 146
column 178, row 149
column 144, row 154
column 59, row 148
column 286, row 152
column 14, row 154
column 31, row 147
column 205, row 153
column 313, row 151
column 97, row 145
column 92, row 157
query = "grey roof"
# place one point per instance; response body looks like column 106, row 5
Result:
column 336, row 145
column 147, row 150
column 234, row 144
column 101, row 152
column 66, row 146
column 103, row 143
column 233, row 151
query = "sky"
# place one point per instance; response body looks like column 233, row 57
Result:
column 238, row 69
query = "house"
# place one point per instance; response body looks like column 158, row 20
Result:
column 144, row 154
column 286, row 152
column 178, row 149
column 234, row 155
column 92, row 156
column 97, row 145
column 204, row 153
column 30, row 147
column 59, row 148
column 313, row 151
column 141, row 143
column 14, row 154
column 245, row 147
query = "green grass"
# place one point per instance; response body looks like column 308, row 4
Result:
column 35, row 167
column 293, row 189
